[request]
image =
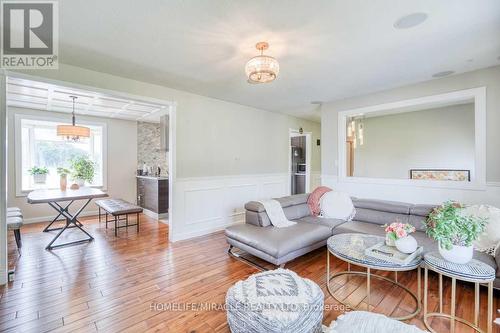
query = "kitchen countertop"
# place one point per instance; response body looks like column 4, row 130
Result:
column 153, row 177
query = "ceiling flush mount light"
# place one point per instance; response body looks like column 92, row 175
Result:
column 262, row 68
column 410, row 21
column 443, row 74
column 73, row 132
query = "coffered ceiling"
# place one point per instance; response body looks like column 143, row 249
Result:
column 49, row 97
column 327, row 49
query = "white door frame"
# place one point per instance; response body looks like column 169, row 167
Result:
column 294, row 133
column 172, row 106
column 3, row 180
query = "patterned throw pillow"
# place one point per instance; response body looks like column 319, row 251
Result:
column 489, row 240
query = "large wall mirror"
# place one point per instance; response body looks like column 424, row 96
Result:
column 437, row 139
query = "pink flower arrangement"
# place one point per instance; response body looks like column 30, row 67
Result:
column 397, row 230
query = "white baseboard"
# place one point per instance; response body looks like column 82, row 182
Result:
column 51, row 217
column 204, row 232
column 154, row 215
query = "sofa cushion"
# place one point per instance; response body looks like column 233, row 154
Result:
column 379, row 217
column 278, row 242
column 422, row 210
column 418, row 222
column 359, row 227
column 331, row 223
column 261, row 219
column 383, row 205
column 287, row 201
column 293, row 200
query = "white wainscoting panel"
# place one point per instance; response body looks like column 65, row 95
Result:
column 202, row 205
column 208, row 204
column 489, row 194
column 315, row 180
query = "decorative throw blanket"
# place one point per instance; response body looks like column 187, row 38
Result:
column 314, row 199
column 276, row 215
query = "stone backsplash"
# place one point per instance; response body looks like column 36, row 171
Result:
column 148, row 147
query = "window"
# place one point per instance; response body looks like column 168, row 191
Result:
column 37, row 144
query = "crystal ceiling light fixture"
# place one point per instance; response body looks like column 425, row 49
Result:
column 73, row 132
column 262, row 68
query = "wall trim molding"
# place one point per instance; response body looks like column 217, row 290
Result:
column 488, row 194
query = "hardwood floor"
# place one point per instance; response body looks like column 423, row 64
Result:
column 125, row 284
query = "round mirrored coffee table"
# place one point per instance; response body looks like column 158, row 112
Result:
column 474, row 271
column 351, row 249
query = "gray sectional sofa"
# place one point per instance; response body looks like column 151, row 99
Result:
column 281, row 245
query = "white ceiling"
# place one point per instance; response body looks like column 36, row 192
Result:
column 48, row 97
column 327, row 49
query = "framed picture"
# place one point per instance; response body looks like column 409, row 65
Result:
column 440, row 174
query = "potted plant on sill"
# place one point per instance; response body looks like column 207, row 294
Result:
column 83, row 170
column 454, row 231
column 63, row 178
column 39, row 174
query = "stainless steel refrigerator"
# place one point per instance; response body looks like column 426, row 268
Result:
column 298, row 174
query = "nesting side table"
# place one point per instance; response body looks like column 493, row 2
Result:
column 351, row 249
column 475, row 272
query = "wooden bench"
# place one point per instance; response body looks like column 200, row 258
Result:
column 119, row 208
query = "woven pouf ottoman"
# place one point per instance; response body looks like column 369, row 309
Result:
column 275, row 301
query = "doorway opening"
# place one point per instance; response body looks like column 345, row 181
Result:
column 33, row 107
column 299, row 162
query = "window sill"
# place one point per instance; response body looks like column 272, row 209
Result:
column 23, row 194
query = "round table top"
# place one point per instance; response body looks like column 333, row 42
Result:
column 351, row 247
column 473, row 271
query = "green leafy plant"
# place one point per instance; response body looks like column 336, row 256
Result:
column 63, row 171
column 82, row 168
column 449, row 225
column 38, row 171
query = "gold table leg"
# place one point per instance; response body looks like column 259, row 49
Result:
column 425, row 289
column 368, row 289
column 476, row 304
column 396, row 276
column 440, row 293
column 327, row 266
column 452, row 316
column 490, row 307
column 453, row 298
column 419, row 285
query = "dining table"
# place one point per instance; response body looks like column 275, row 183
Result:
column 61, row 202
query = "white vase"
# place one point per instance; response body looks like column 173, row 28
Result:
column 389, row 241
column 458, row 254
column 40, row 179
column 80, row 182
column 406, row 244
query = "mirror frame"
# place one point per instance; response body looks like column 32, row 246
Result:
column 474, row 95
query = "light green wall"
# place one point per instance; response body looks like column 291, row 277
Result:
column 214, row 137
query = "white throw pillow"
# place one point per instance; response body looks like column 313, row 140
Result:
column 490, row 238
column 337, row 205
